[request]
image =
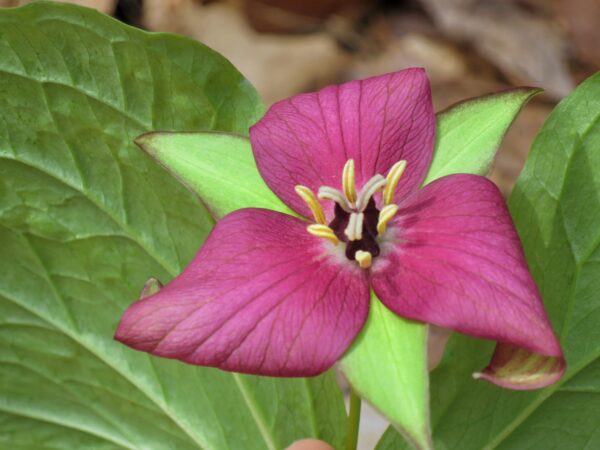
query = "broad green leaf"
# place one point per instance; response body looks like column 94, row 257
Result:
column 86, row 218
column 556, row 207
column 469, row 133
column 219, row 167
column 390, row 352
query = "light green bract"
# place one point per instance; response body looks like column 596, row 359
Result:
column 86, row 218
column 470, row 133
column 387, row 363
column 556, row 208
column 219, row 167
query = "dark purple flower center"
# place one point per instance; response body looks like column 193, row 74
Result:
column 368, row 242
column 357, row 222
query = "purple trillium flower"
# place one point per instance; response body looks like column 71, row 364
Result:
column 273, row 294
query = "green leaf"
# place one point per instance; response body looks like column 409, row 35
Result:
column 86, row 218
column 387, row 364
column 469, row 133
column 219, row 167
column 556, row 207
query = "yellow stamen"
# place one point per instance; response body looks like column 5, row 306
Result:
column 307, row 195
column 386, row 213
column 363, row 259
column 348, row 181
column 323, row 231
column 392, row 181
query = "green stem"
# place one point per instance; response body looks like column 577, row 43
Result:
column 353, row 421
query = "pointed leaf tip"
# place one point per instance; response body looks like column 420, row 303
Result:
column 470, row 132
column 387, row 366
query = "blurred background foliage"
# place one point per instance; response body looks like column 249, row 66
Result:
column 469, row 48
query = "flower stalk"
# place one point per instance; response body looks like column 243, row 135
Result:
column 353, row 421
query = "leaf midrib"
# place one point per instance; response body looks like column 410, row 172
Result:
column 128, row 233
column 251, row 407
column 75, row 338
column 254, row 411
column 48, row 419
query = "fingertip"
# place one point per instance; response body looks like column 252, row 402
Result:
column 310, row 444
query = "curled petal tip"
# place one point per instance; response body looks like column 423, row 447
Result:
column 151, row 287
column 516, row 368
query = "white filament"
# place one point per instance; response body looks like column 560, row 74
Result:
column 329, row 193
column 373, row 185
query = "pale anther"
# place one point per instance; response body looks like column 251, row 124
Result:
column 329, row 193
column 358, row 226
column 348, row 181
column 363, row 259
column 373, row 185
column 349, row 231
column 385, row 215
column 392, row 181
column 309, row 197
column 323, row 231
column 355, row 226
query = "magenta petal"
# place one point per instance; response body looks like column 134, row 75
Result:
column 261, row 297
column 308, row 138
column 458, row 263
